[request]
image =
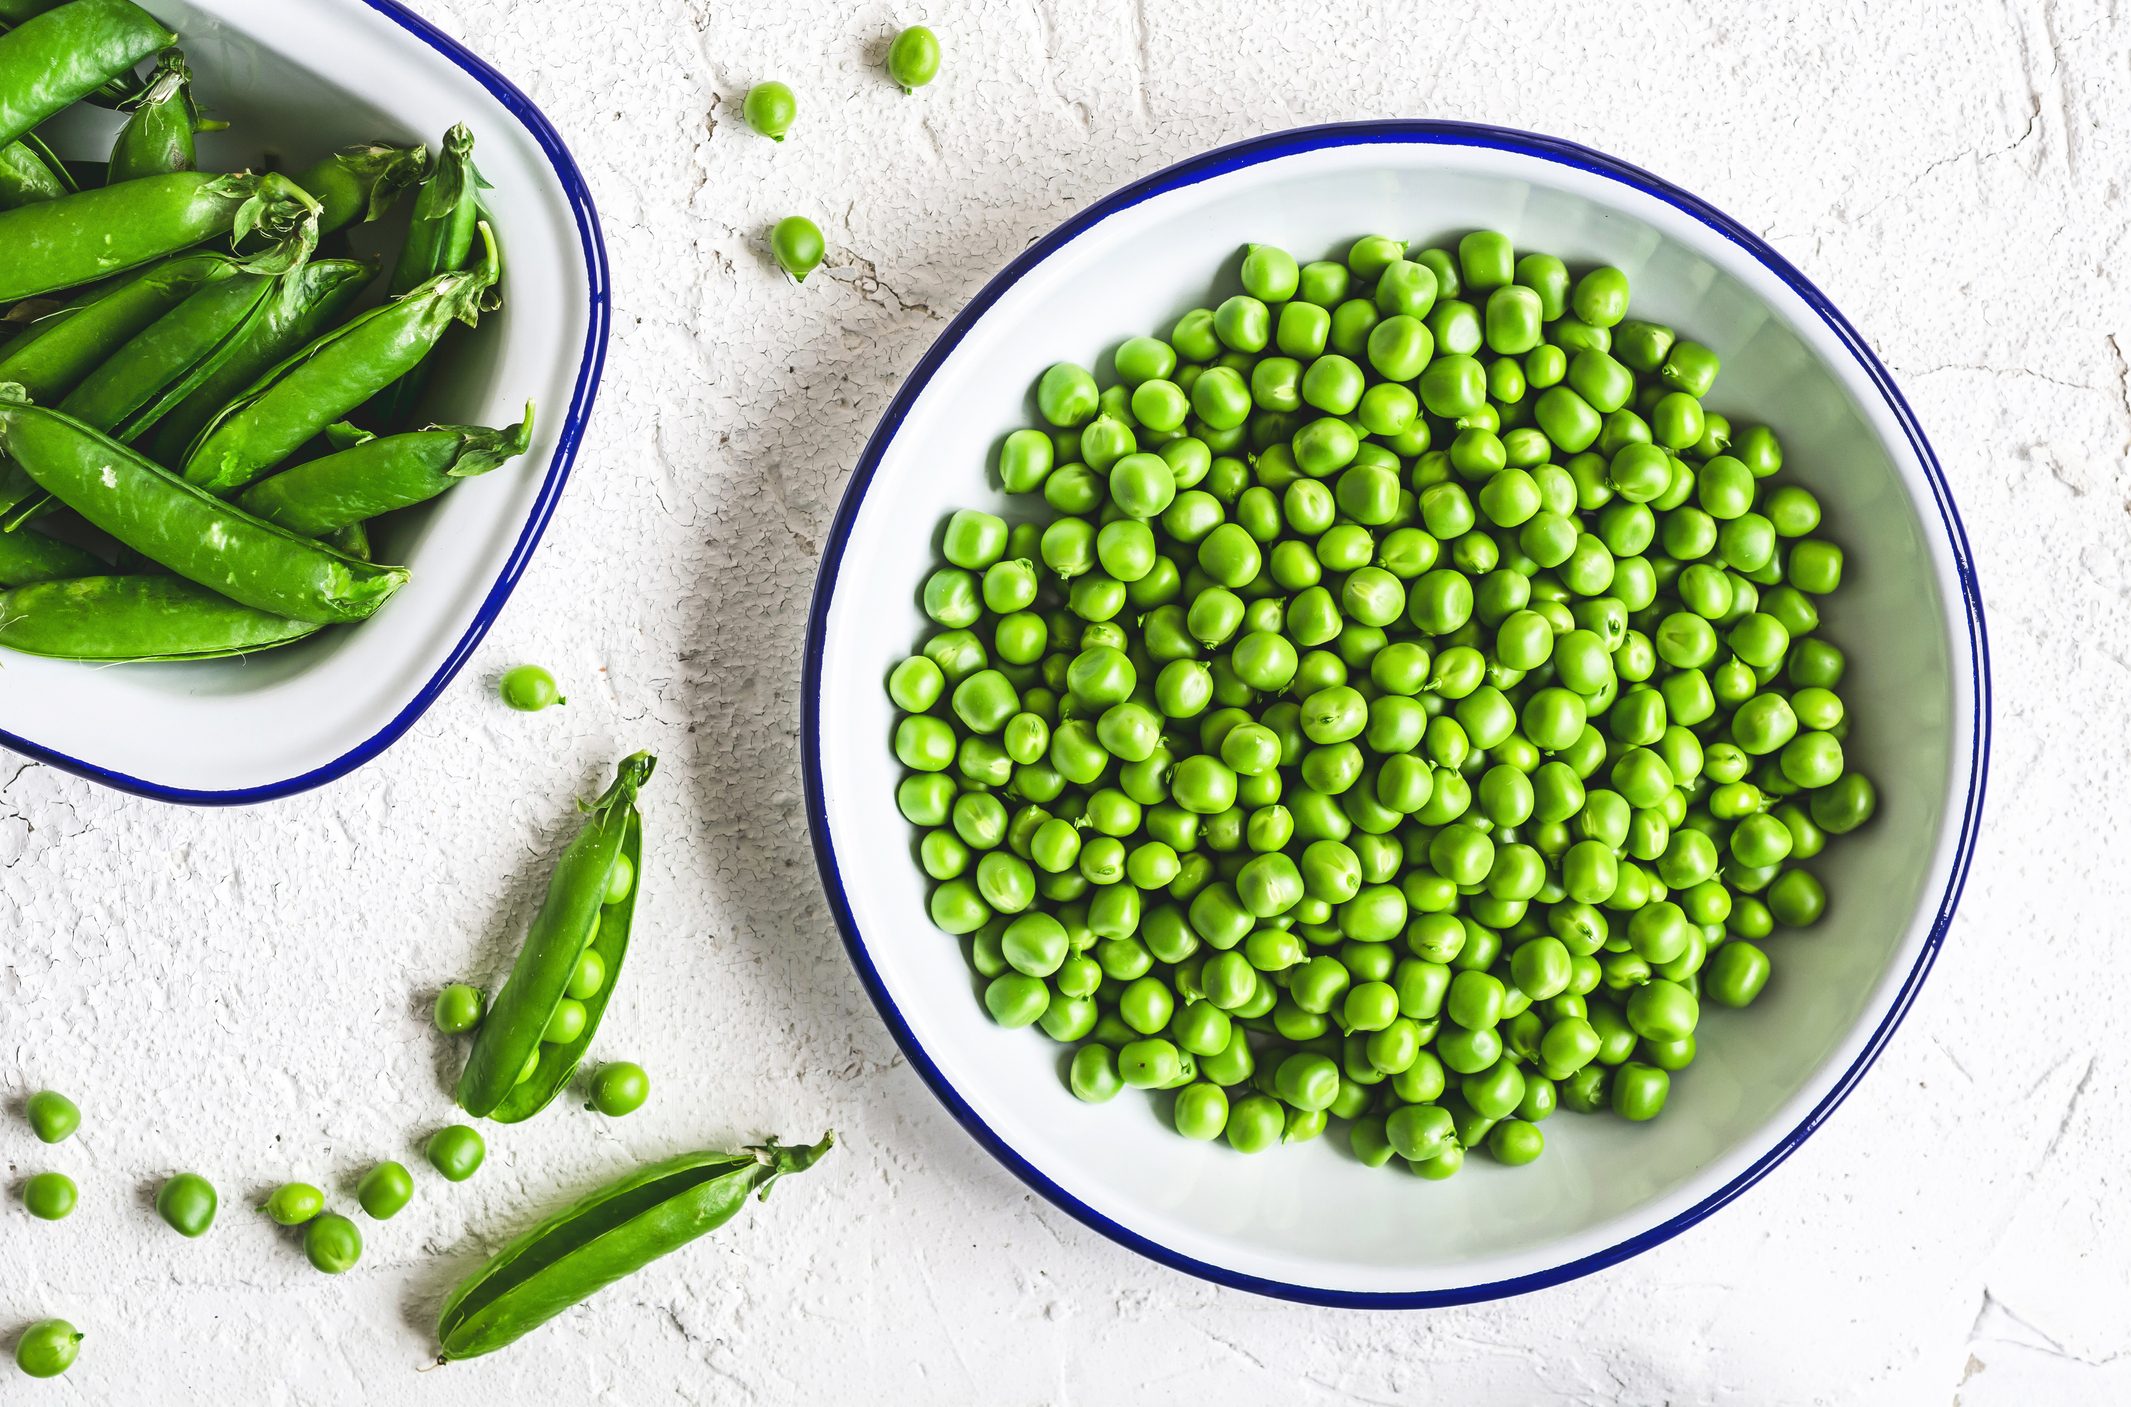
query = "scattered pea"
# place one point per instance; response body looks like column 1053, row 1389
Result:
column 796, row 243
column 53, row 1117
column 47, row 1348
column 529, row 689
column 333, row 1243
column 385, row 1190
column 619, row 1087
column 770, row 108
column 294, row 1203
column 187, row 1202
column 458, row 1009
column 914, row 58
column 49, row 1196
column 456, row 1151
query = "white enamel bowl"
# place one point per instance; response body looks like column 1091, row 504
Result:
column 304, row 77
column 1309, row 1222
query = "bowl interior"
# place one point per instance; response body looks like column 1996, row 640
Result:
column 1311, row 1219
column 297, row 79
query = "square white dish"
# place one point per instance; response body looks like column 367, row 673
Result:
column 1309, row 1222
column 299, row 79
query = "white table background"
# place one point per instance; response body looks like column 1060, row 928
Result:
column 245, row 993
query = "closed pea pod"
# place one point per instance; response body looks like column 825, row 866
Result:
column 95, row 233
column 494, row 1083
column 307, row 303
column 605, row 1236
column 171, row 522
column 334, row 375
column 380, row 475
column 440, row 237
column 28, row 557
column 51, row 358
column 128, row 619
column 50, row 61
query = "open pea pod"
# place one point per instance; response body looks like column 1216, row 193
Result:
column 605, row 1236
column 334, row 375
column 557, row 1063
column 89, row 235
column 381, row 474
column 149, row 509
column 62, row 55
column 570, row 916
column 129, row 619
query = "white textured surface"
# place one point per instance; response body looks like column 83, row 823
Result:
column 243, row 993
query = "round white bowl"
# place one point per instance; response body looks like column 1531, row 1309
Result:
column 304, row 77
column 1309, row 1222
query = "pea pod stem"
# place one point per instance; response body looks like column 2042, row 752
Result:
column 605, row 1236
column 79, row 238
column 333, row 376
column 152, row 511
column 54, row 59
column 379, row 475
column 541, row 975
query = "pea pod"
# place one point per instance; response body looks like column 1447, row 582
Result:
column 55, row 354
column 361, row 182
column 127, row 394
column 29, row 556
column 517, row 1018
column 30, row 174
column 50, row 61
column 558, row 1061
column 333, row 376
column 440, row 236
column 89, row 235
column 202, row 539
column 607, row 1235
column 161, row 124
column 381, row 474
column 310, row 304
column 123, row 619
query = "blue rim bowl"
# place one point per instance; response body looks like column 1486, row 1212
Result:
column 1970, row 666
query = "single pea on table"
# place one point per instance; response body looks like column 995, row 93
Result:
column 1406, row 705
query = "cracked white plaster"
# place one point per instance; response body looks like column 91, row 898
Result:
column 245, row 992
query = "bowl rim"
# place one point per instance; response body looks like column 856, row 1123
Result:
column 1255, row 151
column 568, row 440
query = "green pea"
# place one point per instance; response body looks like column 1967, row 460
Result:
column 770, row 108
column 384, row 1191
column 456, row 1151
column 294, row 1203
column 796, row 243
column 529, row 689
column 332, row 1243
column 914, row 58
column 49, row 1196
column 47, row 1348
column 187, row 1204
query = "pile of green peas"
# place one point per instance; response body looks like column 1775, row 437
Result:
column 1407, row 706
